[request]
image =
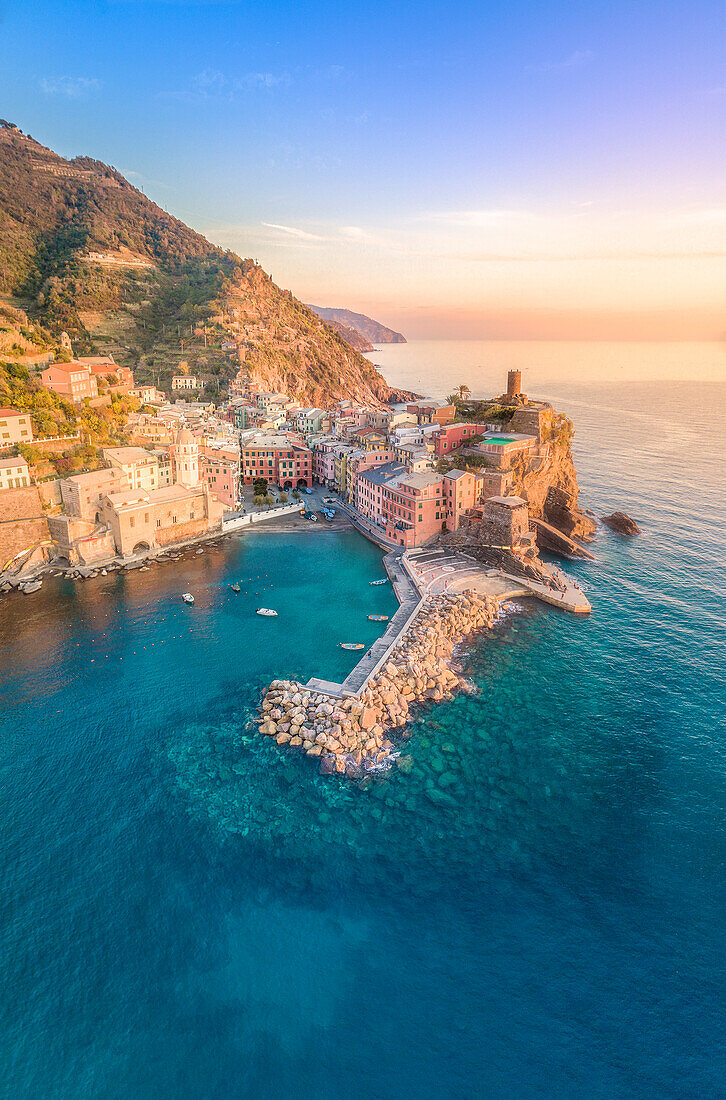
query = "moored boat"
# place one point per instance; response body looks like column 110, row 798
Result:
column 187, row 597
column 351, row 645
column 235, row 587
column 378, row 618
column 383, row 581
column 266, row 611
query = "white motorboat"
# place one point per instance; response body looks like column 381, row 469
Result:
column 187, row 597
column 265, row 611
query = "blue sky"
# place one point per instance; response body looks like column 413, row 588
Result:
column 452, row 166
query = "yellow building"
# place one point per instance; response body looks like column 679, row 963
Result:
column 140, row 467
column 15, row 427
column 14, row 473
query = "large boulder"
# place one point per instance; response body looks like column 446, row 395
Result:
column 622, row 523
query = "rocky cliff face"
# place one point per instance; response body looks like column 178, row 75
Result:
column 286, row 347
column 549, row 483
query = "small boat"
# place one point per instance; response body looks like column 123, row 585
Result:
column 384, row 581
column 378, row 618
column 187, row 597
column 265, row 611
column 351, row 645
column 235, row 588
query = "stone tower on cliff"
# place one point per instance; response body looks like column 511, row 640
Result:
column 514, row 383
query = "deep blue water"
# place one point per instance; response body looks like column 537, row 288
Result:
column 187, row 911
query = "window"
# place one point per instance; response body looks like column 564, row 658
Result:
column 158, row 523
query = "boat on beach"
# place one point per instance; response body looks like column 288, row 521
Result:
column 187, row 597
column 383, row 581
column 378, row 618
column 266, row 611
column 351, row 645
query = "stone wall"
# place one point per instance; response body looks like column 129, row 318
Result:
column 50, row 492
column 181, row 532
column 22, row 523
column 532, row 420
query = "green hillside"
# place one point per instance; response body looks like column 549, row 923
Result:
column 84, row 251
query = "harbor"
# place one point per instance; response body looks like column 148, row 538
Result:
column 419, row 575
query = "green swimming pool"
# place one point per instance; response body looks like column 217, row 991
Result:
column 500, row 442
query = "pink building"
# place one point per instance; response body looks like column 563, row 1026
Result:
column 453, row 436
column 414, row 507
column 461, row 492
column 324, row 461
column 219, row 470
column 360, row 461
column 370, row 483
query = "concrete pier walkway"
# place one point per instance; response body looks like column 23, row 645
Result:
column 440, row 571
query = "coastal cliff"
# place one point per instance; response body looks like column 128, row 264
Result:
column 367, row 329
column 548, row 482
column 287, row 348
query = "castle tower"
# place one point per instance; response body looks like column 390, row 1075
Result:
column 187, row 460
column 514, row 383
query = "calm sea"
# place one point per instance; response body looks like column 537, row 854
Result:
column 187, row 912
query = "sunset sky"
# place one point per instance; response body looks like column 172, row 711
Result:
column 462, row 169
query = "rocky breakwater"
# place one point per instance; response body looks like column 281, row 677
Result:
column 356, row 735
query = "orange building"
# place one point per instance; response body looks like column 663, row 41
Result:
column 414, row 507
column 70, row 380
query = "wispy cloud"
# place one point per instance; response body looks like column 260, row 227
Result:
column 293, row 231
column 576, row 60
column 213, row 84
column 72, row 87
column 130, row 174
column 264, row 80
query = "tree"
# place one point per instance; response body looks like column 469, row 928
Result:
column 269, row 500
column 259, row 499
column 283, row 498
column 259, row 486
column 464, row 389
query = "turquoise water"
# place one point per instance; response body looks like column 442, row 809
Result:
column 187, row 911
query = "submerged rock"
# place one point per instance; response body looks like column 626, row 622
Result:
column 440, row 798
